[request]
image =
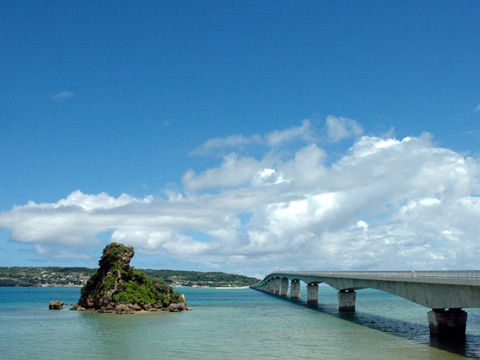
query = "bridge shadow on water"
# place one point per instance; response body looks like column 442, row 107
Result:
column 468, row 346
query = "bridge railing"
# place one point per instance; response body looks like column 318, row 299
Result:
column 445, row 275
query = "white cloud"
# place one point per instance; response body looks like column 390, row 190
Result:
column 64, row 252
column 89, row 202
column 339, row 128
column 268, row 176
column 477, row 108
column 232, row 141
column 387, row 203
column 362, row 224
column 62, row 95
column 234, row 171
column 303, row 132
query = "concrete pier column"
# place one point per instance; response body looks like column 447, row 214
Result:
column 295, row 289
column 451, row 322
column 268, row 286
column 276, row 286
column 312, row 293
column 346, row 300
column 284, row 287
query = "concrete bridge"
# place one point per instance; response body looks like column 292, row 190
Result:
column 445, row 292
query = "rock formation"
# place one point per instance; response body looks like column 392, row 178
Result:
column 55, row 305
column 117, row 287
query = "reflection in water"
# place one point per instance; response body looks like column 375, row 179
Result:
column 468, row 347
column 113, row 335
column 225, row 324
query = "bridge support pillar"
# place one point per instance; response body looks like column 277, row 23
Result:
column 284, row 287
column 295, row 289
column 276, row 286
column 346, row 300
column 312, row 293
column 451, row 322
column 269, row 287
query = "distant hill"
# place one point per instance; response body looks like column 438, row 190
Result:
column 196, row 278
column 78, row 276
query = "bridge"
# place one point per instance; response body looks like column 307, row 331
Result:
column 446, row 293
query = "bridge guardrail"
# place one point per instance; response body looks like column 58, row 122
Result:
column 440, row 275
column 445, row 274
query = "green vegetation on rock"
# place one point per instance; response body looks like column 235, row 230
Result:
column 116, row 282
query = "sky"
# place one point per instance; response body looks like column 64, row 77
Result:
column 245, row 137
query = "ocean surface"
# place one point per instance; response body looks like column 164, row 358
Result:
column 226, row 324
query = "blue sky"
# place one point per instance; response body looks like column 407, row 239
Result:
column 116, row 97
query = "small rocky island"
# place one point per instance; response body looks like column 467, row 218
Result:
column 117, row 287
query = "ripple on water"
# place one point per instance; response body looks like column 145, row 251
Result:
column 226, row 324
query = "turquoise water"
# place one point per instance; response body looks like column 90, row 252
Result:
column 225, row 324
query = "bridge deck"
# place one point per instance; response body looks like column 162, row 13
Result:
column 463, row 277
column 438, row 290
column 433, row 289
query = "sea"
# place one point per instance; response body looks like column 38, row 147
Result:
column 226, row 324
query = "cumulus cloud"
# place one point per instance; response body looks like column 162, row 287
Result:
column 339, row 128
column 387, row 203
column 233, row 171
column 62, row 95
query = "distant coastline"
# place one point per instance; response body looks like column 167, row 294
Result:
column 78, row 276
column 216, row 287
column 176, row 287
